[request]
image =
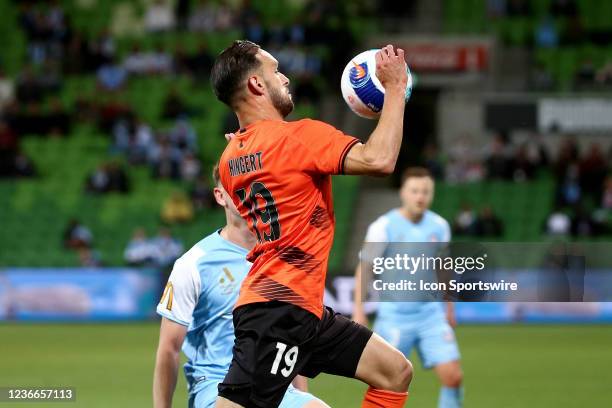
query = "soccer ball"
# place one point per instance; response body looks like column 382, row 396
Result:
column 362, row 90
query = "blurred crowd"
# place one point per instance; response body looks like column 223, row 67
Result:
column 582, row 177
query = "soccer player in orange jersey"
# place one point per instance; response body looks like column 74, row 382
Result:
column 278, row 174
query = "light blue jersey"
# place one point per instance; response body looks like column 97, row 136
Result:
column 393, row 227
column 408, row 325
column 201, row 293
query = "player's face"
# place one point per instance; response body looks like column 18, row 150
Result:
column 276, row 83
column 416, row 194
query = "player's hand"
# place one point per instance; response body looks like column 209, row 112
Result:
column 229, row 136
column 360, row 317
column 391, row 68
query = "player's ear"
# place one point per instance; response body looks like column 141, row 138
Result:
column 255, row 85
column 219, row 196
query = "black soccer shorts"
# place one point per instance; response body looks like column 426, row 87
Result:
column 275, row 341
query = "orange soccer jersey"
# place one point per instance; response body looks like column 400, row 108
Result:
column 279, row 176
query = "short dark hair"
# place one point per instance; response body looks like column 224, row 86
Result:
column 231, row 68
column 416, row 172
column 215, row 175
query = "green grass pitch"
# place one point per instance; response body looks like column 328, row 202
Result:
column 111, row 365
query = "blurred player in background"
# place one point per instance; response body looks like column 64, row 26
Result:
column 279, row 176
column 423, row 325
column 196, row 310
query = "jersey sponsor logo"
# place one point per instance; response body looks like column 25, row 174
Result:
column 169, row 295
column 227, row 282
column 245, row 164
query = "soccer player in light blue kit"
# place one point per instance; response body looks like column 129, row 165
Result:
column 196, row 309
column 424, row 325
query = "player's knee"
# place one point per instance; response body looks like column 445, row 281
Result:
column 400, row 374
column 453, row 379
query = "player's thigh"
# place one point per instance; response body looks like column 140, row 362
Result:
column 437, row 343
column 383, row 366
column 268, row 352
column 450, row 373
column 401, row 336
column 338, row 346
column 295, row 398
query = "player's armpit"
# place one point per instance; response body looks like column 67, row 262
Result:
column 360, row 161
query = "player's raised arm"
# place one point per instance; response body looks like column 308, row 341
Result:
column 167, row 361
column 379, row 154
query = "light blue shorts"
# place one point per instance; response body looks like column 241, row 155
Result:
column 205, row 396
column 433, row 338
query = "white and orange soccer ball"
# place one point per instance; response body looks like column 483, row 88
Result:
column 361, row 89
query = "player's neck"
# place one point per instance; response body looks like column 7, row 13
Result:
column 252, row 112
column 413, row 217
column 238, row 233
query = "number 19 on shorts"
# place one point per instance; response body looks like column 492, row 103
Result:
column 290, row 358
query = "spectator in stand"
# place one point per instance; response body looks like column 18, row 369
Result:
column 465, row 220
column 190, row 167
column 28, row 87
column 8, row 149
column 568, row 153
column 540, row 78
column 524, row 167
column 606, row 196
column 569, row 192
column 583, row 224
column 23, row 166
column 585, row 76
column 604, row 74
column 177, row 209
column 139, row 251
column 174, row 105
column 433, row 161
column 496, row 9
column 166, row 248
column 108, row 177
column 546, row 34
column 558, row 223
column 182, row 9
column 499, row 162
column 488, row 224
column 202, row 197
column 137, row 61
column 593, row 171
column 211, row 16
column 183, row 136
column 159, row 16
column 111, row 76
column 7, row 90
column 117, row 178
column 165, row 160
column 76, row 235
column 89, row 257
column 98, row 182
column 465, row 163
column 161, row 61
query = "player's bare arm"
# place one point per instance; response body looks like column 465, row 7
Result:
column 171, row 336
column 379, row 154
column 359, row 315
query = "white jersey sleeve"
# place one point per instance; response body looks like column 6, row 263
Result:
column 375, row 240
column 182, row 291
